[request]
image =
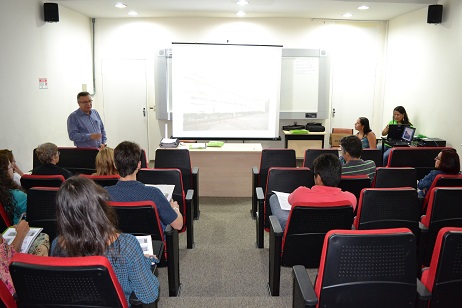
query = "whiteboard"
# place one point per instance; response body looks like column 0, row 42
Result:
column 304, row 84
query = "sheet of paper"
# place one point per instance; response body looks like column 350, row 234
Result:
column 283, row 199
column 146, row 244
column 10, row 234
column 166, row 189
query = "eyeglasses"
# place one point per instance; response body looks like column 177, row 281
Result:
column 437, row 158
column 86, row 102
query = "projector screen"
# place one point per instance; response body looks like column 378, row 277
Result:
column 224, row 91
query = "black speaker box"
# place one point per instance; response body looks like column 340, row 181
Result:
column 435, row 14
column 50, row 11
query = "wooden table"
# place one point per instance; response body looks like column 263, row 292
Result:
column 301, row 142
column 226, row 171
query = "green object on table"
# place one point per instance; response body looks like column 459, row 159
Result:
column 299, row 131
column 215, row 143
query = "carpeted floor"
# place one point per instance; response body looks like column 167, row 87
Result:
column 225, row 269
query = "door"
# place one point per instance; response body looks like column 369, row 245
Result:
column 125, row 101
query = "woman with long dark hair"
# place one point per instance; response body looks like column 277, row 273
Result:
column 12, row 197
column 365, row 133
column 86, row 227
column 399, row 117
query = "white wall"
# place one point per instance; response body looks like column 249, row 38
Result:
column 423, row 72
column 32, row 49
column 356, row 50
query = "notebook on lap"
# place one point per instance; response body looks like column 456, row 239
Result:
column 406, row 137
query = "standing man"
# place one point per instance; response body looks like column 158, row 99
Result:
column 85, row 126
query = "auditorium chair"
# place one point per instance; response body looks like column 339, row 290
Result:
column 281, row 179
column 386, row 208
column 185, row 201
column 442, row 180
column 76, row 160
column 389, row 177
column 363, row 268
column 301, row 241
column 354, row 184
column 103, row 180
column 28, row 181
column 312, row 154
column 6, row 299
column 269, row 158
column 142, row 218
column 444, row 210
column 41, row 209
column 373, row 154
column 421, row 158
column 444, row 276
column 180, row 159
column 66, row 282
column 4, row 219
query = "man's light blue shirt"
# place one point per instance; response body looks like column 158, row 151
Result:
column 80, row 126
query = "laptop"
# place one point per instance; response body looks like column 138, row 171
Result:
column 406, row 137
column 395, row 131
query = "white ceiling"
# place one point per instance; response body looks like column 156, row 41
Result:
column 324, row 9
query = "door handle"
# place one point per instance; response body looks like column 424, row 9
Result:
column 144, row 112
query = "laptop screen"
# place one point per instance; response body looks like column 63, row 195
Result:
column 408, row 133
column 395, row 131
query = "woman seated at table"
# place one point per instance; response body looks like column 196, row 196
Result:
column 365, row 133
column 86, row 227
column 446, row 162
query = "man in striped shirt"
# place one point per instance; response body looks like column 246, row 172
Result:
column 351, row 152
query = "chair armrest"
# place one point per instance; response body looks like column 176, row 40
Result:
column 189, row 219
column 423, row 294
column 303, row 291
column 260, row 216
column 255, row 174
column 195, row 177
column 275, row 255
column 173, row 260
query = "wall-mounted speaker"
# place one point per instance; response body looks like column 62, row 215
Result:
column 50, row 12
column 435, row 14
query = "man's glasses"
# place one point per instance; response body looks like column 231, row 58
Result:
column 86, row 102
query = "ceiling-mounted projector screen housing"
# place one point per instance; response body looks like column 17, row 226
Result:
column 225, row 91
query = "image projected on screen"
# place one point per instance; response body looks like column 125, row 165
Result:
column 225, row 91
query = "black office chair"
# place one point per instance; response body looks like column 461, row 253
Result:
column 374, row 155
column 28, row 181
column 363, row 268
column 269, row 158
column 103, row 180
column 354, row 184
column 389, row 177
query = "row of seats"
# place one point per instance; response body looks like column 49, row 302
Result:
column 374, row 268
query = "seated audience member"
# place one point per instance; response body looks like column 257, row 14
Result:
column 104, row 162
column 12, row 197
column 86, row 227
column 354, row 165
column 48, row 155
column 446, row 162
column 127, row 161
column 365, row 134
column 17, row 171
column 327, row 173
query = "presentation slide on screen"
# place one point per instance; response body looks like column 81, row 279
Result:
column 226, row 91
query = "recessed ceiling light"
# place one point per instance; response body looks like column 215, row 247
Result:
column 240, row 13
column 242, row 2
column 347, row 15
column 363, row 7
column 120, row 5
column 132, row 13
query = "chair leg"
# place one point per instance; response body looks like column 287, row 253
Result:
column 259, row 222
column 189, row 219
column 173, row 261
column 275, row 249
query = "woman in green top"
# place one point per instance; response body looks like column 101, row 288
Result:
column 399, row 117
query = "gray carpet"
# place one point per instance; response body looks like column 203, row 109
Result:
column 225, row 269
